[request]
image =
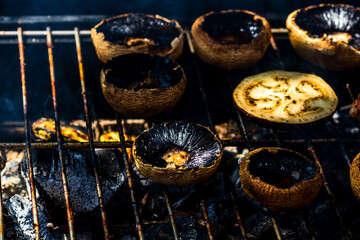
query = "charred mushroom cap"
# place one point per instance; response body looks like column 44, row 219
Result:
column 141, row 85
column 355, row 176
column 137, row 33
column 327, row 35
column 280, row 179
column 231, row 39
column 202, row 146
column 282, row 97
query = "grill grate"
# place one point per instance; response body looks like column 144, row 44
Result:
column 247, row 141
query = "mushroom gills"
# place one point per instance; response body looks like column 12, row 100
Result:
column 281, row 169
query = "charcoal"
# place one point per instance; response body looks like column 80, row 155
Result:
column 80, row 177
column 259, row 226
column 188, row 228
column 11, row 180
column 20, row 209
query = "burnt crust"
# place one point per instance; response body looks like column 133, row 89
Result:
column 137, row 33
column 199, row 142
column 141, row 85
column 266, row 173
column 311, row 33
column 247, row 50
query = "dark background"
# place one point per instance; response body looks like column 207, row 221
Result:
column 182, row 10
column 14, row 14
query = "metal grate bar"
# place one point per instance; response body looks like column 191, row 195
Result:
column 45, row 33
column 212, row 127
column 128, row 174
column 128, row 144
column 250, row 147
column 171, row 214
column 70, row 215
column 316, row 158
column 90, row 134
column 27, row 136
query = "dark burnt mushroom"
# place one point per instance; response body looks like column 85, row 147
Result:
column 141, row 85
column 327, row 35
column 137, row 33
column 177, row 153
column 280, row 179
column 231, row 39
column 355, row 176
column 281, row 97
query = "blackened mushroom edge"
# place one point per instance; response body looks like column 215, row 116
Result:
column 280, row 179
column 200, row 143
column 141, row 85
column 327, row 35
column 231, row 39
column 137, row 33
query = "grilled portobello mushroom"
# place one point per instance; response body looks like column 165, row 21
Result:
column 231, row 39
column 327, row 35
column 137, row 33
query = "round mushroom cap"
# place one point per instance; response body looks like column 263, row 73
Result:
column 202, row 146
column 141, row 85
column 355, row 176
column 231, row 39
column 327, row 35
column 137, row 33
column 280, row 179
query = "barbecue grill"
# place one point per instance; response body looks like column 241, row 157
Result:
column 59, row 75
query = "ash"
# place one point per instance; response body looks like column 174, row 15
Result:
column 80, row 177
column 20, row 209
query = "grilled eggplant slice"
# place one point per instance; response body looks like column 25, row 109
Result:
column 285, row 97
column 280, row 179
column 327, row 35
column 231, row 39
column 137, row 33
column 141, row 85
column 177, row 153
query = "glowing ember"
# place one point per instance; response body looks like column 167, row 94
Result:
column 176, row 156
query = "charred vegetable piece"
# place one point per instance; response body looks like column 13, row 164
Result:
column 327, row 35
column 141, row 85
column 114, row 137
column 177, row 153
column 355, row 109
column 280, row 179
column 231, row 39
column 44, row 129
column 137, row 33
column 285, row 97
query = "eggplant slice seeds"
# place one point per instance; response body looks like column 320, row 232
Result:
column 285, row 97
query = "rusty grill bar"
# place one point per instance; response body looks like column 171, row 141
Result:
column 246, row 141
